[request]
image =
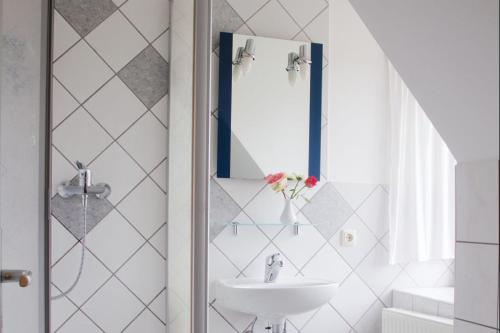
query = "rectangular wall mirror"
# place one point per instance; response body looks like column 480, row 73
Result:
column 269, row 117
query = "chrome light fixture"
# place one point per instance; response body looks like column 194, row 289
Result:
column 299, row 63
column 244, row 58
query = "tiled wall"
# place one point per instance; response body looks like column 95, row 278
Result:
column 477, row 301
column 366, row 278
column 110, row 87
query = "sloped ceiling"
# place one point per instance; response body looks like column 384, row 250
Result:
column 447, row 53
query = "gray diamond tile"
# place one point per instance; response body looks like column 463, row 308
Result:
column 69, row 212
column 226, row 20
column 328, row 210
column 84, row 16
column 223, row 209
column 147, row 76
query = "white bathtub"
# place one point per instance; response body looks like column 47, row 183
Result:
column 431, row 301
column 420, row 310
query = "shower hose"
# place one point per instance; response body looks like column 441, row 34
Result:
column 82, row 255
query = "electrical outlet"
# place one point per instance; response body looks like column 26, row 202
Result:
column 349, row 237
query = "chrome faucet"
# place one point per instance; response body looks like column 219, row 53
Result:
column 273, row 267
column 69, row 189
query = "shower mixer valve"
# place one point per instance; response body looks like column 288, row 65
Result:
column 68, row 189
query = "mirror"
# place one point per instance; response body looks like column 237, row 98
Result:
column 269, row 117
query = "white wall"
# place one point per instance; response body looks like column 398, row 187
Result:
column 447, row 53
column 359, row 115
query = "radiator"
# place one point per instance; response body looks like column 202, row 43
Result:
column 403, row 321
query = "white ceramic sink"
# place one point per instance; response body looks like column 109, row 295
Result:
column 274, row 301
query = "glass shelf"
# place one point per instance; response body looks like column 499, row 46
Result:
column 296, row 226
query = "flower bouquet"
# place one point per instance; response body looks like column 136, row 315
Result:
column 291, row 187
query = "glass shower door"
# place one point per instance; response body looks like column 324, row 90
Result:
column 23, row 30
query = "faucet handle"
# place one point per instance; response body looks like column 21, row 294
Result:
column 274, row 259
column 80, row 165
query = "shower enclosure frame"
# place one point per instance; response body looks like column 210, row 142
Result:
column 202, row 21
column 47, row 45
column 201, row 163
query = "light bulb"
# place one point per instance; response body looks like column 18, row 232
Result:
column 292, row 77
column 246, row 64
column 304, row 70
column 236, row 72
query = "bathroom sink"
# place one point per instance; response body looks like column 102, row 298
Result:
column 274, row 301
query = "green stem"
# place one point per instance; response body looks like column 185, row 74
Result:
column 293, row 196
column 284, row 194
column 300, row 190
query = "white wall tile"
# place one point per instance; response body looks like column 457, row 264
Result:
column 303, row 17
column 300, row 248
column 61, row 310
column 327, row 264
column 93, row 276
column 116, row 168
column 146, row 141
column 245, row 8
column 63, row 103
column 376, row 271
column 160, row 110
column 81, row 71
column 149, row 16
column 113, row 251
column 371, row 322
column 79, row 323
column 115, row 107
column 477, row 201
column 426, row 273
column 159, row 306
column 80, row 138
column 326, row 318
column 145, row 207
column 62, row 240
column 116, row 40
column 353, row 299
column 355, row 194
column 249, row 238
column 220, row 268
column 113, row 306
column 64, row 35
column 263, row 23
column 146, row 322
column 476, row 292
column 217, row 324
column 374, row 212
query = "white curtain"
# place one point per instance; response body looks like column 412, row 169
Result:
column 422, row 182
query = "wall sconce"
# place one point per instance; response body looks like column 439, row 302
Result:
column 299, row 63
column 244, row 58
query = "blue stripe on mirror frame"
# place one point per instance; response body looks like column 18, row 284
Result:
column 315, row 110
column 225, row 92
column 224, row 114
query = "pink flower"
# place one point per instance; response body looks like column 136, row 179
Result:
column 311, row 181
column 275, row 178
